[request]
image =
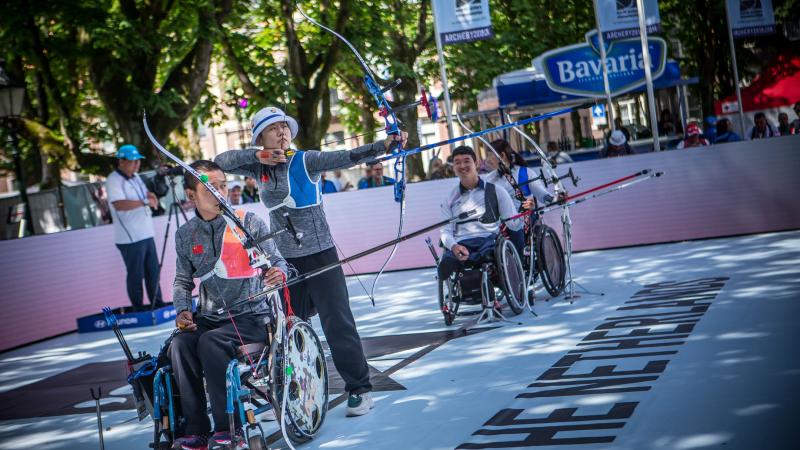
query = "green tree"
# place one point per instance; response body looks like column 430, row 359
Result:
column 522, row 31
column 394, row 36
column 703, row 36
column 92, row 67
column 296, row 58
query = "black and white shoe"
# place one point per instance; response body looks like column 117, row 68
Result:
column 359, row 404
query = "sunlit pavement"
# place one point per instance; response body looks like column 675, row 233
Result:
column 710, row 361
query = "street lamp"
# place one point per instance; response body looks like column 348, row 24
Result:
column 11, row 101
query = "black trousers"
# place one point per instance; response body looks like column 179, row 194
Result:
column 141, row 262
column 327, row 294
column 207, row 352
column 479, row 250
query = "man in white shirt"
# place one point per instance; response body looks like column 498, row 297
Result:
column 474, row 240
column 130, row 204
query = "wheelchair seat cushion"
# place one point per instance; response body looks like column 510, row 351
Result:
column 254, row 348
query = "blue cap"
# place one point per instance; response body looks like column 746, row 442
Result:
column 130, row 152
column 711, row 120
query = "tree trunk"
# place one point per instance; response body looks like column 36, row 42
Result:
column 175, row 98
column 312, row 106
column 577, row 132
column 311, row 129
column 404, row 56
column 370, row 124
column 404, row 94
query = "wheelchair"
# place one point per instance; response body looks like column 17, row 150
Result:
column 544, row 259
column 499, row 276
column 287, row 374
column 486, row 282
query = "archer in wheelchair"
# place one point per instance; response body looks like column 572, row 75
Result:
column 209, row 250
column 543, row 256
column 234, row 352
column 480, row 254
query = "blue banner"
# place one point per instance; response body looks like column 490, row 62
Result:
column 578, row 70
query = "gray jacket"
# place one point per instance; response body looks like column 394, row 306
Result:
column 198, row 244
column 310, row 221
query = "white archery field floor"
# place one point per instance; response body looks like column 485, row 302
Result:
column 724, row 376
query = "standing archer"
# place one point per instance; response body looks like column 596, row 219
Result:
column 290, row 183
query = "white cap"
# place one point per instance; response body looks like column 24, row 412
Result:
column 617, row 138
column 266, row 117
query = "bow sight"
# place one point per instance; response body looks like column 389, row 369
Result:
column 555, row 178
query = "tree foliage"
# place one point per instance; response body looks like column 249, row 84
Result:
column 92, row 66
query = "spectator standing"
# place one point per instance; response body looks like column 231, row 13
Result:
column 130, row 204
column 377, row 178
column 784, row 128
column 795, row 128
column 666, row 125
column 449, row 172
column 337, row 181
column 710, row 134
column 620, row 127
column 328, row 186
column 694, row 137
column 617, row 145
column 250, row 191
column 762, row 129
column 436, row 169
column 235, row 195
column 363, row 182
column 724, row 132
column 556, row 156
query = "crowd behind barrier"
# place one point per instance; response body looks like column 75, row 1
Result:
column 84, row 206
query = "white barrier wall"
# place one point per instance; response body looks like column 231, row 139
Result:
column 748, row 187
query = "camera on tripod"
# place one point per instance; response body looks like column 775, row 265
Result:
column 165, row 170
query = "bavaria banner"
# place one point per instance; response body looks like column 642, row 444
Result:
column 577, row 69
column 462, row 20
column 619, row 19
column 751, row 17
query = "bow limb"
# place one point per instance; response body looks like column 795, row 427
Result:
column 557, row 184
column 342, row 38
column 369, row 77
column 485, row 142
column 255, row 248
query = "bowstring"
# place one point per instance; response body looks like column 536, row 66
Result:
column 241, row 225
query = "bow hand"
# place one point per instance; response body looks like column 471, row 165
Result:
column 395, row 142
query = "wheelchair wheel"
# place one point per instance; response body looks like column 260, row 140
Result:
column 447, row 305
column 512, row 274
column 550, row 260
column 303, row 367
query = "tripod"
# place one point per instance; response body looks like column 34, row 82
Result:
column 569, row 293
column 174, row 209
